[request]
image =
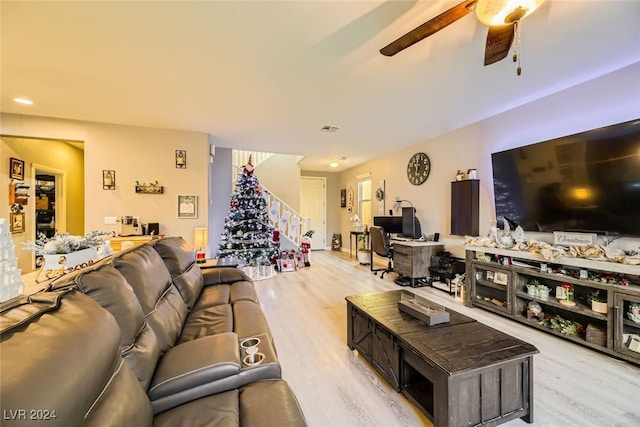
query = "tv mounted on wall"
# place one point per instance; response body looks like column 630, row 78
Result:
column 587, row 182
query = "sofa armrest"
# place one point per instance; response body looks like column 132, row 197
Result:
column 223, row 275
column 194, row 363
column 206, row 366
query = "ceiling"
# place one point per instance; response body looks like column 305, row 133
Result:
column 268, row 75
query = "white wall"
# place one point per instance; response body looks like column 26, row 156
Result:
column 280, row 173
column 610, row 99
column 135, row 153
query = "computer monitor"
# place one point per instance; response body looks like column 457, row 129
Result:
column 410, row 223
column 391, row 224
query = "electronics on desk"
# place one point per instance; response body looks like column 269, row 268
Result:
column 410, row 223
column 391, row 224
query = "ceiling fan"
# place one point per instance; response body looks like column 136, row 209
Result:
column 501, row 16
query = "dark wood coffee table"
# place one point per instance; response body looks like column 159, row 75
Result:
column 458, row 373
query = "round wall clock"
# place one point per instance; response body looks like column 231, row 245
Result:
column 418, row 168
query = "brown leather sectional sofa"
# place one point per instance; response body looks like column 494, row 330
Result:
column 144, row 337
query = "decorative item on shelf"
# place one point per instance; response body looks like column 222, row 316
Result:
column 472, row 174
column 596, row 334
column 63, row 252
column 598, row 302
column 152, row 188
column 568, row 295
column 534, row 310
column 564, row 326
column 634, row 312
column 460, row 175
column 536, row 289
column 19, row 193
column 610, row 279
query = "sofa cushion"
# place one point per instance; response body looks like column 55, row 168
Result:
column 218, row 275
column 160, row 300
column 180, row 261
column 106, row 286
column 262, row 404
column 138, row 342
column 219, row 410
column 208, row 321
column 60, row 352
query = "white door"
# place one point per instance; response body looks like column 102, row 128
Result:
column 313, row 197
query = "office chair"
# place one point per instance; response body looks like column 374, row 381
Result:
column 380, row 246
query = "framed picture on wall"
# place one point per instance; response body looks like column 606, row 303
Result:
column 17, row 222
column 343, row 198
column 187, row 206
column 181, row 159
column 108, row 180
column 16, row 169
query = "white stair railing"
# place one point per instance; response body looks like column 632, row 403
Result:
column 283, row 217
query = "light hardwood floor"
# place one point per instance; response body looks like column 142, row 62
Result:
column 306, row 311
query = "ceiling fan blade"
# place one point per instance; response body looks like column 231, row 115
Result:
column 430, row 27
column 499, row 40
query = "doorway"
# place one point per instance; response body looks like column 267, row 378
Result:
column 47, row 158
column 313, row 204
column 49, row 185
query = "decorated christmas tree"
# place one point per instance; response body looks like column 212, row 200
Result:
column 247, row 234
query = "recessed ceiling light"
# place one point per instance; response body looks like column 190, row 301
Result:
column 24, row 101
column 334, row 164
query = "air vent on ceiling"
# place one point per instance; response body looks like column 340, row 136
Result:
column 328, row 128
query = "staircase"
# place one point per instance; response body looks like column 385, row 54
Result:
column 283, row 217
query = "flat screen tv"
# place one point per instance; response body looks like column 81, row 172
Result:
column 410, row 223
column 587, row 182
column 391, row 224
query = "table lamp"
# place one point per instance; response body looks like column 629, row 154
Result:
column 200, row 240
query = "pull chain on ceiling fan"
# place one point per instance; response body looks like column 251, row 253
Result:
column 501, row 16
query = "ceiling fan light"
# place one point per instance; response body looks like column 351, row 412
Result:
column 500, row 12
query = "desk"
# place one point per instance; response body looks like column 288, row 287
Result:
column 413, row 258
column 357, row 235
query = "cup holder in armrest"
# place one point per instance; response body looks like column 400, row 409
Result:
column 253, row 359
column 249, row 342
